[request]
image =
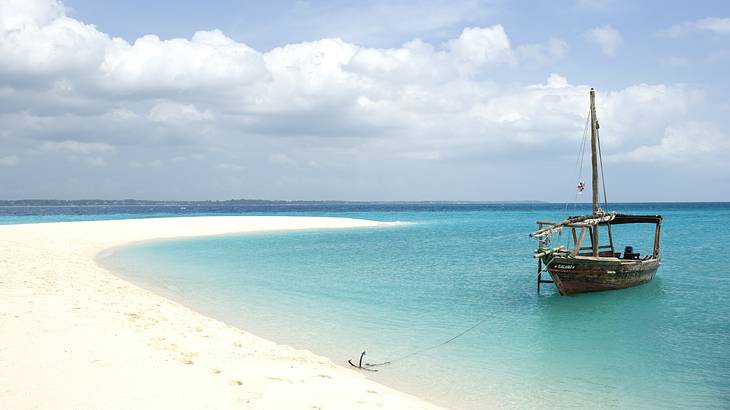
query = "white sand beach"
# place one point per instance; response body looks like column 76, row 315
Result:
column 75, row 336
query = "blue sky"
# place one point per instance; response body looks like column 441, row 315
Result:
column 378, row 100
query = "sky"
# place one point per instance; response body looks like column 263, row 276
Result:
column 472, row 100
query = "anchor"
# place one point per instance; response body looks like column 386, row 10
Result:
column 359, row 364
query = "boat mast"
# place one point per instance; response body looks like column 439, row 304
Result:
column 594, row 169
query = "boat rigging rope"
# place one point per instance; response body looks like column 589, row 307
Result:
column 603, row 179
column 367, row 366
column 579, row 159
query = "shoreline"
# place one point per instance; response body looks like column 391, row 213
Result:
column 75, row 335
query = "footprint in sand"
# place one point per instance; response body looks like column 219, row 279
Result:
column 279, row 379
column 187, row 357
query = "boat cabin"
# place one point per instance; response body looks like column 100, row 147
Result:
column 582, row 226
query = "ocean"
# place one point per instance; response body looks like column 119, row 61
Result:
column 397, row 291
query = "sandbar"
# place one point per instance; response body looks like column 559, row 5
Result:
column 73, row 335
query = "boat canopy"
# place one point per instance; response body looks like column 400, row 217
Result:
column 634, row 219
column 593, row 220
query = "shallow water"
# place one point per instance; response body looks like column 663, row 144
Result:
column 399, row 289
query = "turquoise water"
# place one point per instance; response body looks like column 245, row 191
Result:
column 395, row 290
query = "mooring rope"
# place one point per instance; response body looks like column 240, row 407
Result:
column 423, row 350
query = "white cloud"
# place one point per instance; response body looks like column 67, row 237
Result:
column 481, row 46
column 606, row 37
column 475, row 51
column 170, row 112
column 9, row 161
column 16, row 15
column 300, row 73
column 208, row 60
column 693, row 142
column 553, row 81
column 404, row 64
column 76, row 147
column 331, row 102
column 37, row 38
column 413, row 99
column 710, row 24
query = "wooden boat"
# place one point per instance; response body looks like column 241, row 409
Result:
column 575, row 268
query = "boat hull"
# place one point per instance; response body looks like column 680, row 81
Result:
column 582, row 274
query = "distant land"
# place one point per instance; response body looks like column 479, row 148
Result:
column 231, row 202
